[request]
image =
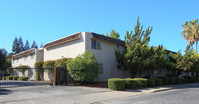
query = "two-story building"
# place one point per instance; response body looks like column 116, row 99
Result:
column 71, row 46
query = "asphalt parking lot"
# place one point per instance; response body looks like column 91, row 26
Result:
column 46, row 94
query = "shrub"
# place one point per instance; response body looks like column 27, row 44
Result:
column 116, row 84
column 130, row 83
column 61, row 62
column 186, row 80
column 190, row 79
column 164, row 80
column 171, row 80
column 158, row 82
column 141, row 82
column 39, row 66
column 23, row 78
column 15, row 77
column 83, row 68
column 9, row 70
column 171, row 75
column 4, row 78
column 9, row 78
column 150, row 82
column 196, row 79
column 179, row 80
column 22, row 68
column 49, row 65
column 37, row 76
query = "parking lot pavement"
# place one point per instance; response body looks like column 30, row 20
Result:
column 46, row 94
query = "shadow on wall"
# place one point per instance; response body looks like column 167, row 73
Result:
column 51, row 76
column 30, row 73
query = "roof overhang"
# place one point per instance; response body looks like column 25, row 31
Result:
column 27, row 52
column 63, row 40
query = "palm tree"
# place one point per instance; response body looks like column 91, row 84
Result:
column 191, row 32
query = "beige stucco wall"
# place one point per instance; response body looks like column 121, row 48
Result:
column 106, row 56
column 37, row 56
column 67, row 50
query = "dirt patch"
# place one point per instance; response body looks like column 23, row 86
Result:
column 98, row 85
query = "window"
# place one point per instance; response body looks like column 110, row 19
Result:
column 101, row 68
column 96, row 44
column 13, row 61
column 25, row 58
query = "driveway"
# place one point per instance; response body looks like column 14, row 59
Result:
column 85, row 95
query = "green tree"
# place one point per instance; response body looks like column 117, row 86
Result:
column 183, row 62
column 34, row 45
column 3, row 55
column 155, row 59
column 15, row 46
column 107, row 35
column 27, row 46
column 132, row 58
column 114, row 34
column 83, row 68
column 21, row 47
column 191, row 32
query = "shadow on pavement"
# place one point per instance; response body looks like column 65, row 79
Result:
column 5, row 91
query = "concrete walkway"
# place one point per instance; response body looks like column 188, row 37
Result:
column 77, row 95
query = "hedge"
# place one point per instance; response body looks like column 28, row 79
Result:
column 37, row 76
column 141, row 82
column 171, row 80
column 61, row 62
column 15, row 77
column 158, row 82
column 130, row 83
column 164, row 80
column 23, row 78
column 49, row 65
column 150, row 82
column 179, row 80
column 116, row 84
column 4, row 78
column 9, row 78
column 190, row 79
column 22, row 68
column 39, row 66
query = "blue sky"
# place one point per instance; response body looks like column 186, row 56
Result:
column 48, row 20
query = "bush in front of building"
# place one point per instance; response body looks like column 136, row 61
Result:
column 171, row 80
column 61, row 62
column 151, row 82
column 15, row 77
column 22, row 68
column 158, row 81
column 49, row 65
column 116, row 84
column 4, row 78
column 179, row 80
column 164, row 80
column 39, row 70
column 190, row 79
column 9, row 78
column 23, row 78
column 83, row 68
column 141, row 82
column 130, row 83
